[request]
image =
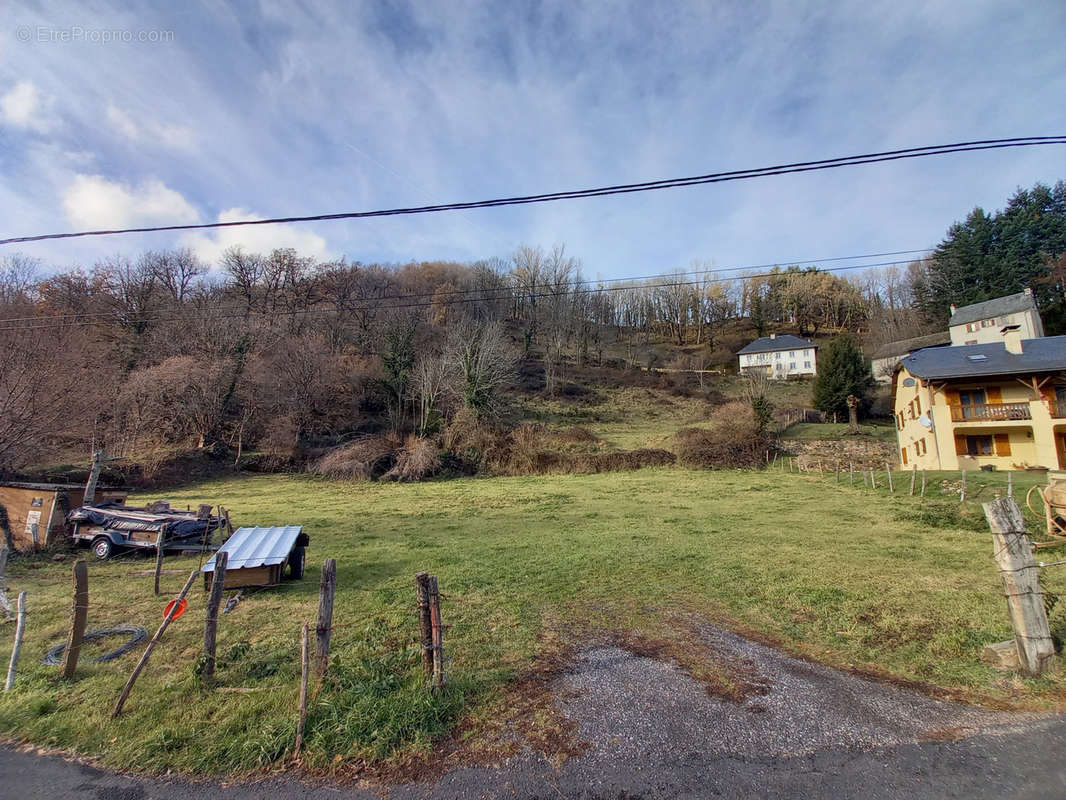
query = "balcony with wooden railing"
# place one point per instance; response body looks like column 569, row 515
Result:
column 1058, row 410
column 990, row 412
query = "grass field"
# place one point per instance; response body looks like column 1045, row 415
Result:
column 836, row 430
column 527, row 566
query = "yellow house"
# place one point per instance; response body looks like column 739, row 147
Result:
column 1001, row 404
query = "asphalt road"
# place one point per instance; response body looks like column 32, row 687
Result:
column 654, row 733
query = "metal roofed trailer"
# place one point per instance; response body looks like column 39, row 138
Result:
column 108, row 527
column 258, row 556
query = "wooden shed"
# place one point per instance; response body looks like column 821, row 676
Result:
column 36, row 512
column 258, row 556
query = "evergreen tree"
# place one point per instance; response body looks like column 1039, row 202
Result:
column 991, row 255
column 842, row 370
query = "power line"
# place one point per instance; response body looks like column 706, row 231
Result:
column 309, row 311
column 670, row 183
column 543, row 285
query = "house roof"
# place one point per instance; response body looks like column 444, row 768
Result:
column 257, row 547
column 971, row 360
column 904, row 346
column 784, row 342
column 1011, row 304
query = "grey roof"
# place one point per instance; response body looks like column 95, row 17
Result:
column 963, row 361
column 784, row 342
column 904, row 346
column 1011, row 304
column 257, row 547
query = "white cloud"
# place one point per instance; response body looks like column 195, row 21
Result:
column 92, row 201
column 255, row 238
column 177, row 137
column 22, row 107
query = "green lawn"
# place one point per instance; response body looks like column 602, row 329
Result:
column 837, row 430
column 526, row 566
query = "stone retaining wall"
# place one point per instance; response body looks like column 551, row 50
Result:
column 861, row 451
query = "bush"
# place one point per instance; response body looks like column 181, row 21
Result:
column 417, row 460
column 736, row 440
column 364, row 459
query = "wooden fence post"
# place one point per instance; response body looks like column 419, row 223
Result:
column 1013, row 553
column 962, row 491
column 20, row 629
column 159, row 556
column 5, row 604
column 305, row 670
column 324, row 625
column 78, row 614
column 851, row 471
column 1010, row 491
column 425, row 626
column 923, row 483
column 438, row 634
column 151, row 645
column 214, row 600
column 888, row 469
column 873, row 479
column 914, row 474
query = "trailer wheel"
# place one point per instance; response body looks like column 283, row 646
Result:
column 296, row 563
column 102, row 548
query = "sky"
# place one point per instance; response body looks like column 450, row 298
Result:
column 135, row 114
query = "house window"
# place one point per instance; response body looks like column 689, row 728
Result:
column 807, row 364
column 919, row 447
column 972, row 341
column 792, row 365
column 987, row 323
column 777, row 356
column 972, row 402
column 979, row 445
column 971, row 327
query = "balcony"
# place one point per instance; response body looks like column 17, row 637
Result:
column 1058, row 410
column 990, row 412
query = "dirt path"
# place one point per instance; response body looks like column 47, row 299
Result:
column 654, row 732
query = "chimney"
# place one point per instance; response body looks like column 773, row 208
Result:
column 1012, row 339
column 953, row 309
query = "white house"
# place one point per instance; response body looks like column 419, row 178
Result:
column 784, row 356
column 987, row 322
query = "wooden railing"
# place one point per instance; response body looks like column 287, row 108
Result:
column 1058, row 410
column 990, row 411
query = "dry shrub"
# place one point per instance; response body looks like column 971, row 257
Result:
column 417, row 460
column 364, row 459
column 735, row 440
column 475, row 443
column 577, row 435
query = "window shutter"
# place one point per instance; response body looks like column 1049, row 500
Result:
column 904, row 452
column 1002, row 444
column 994, row 394
column 953, row 397
column 960, row 445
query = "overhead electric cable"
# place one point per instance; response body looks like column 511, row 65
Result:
column 389, row 307
column 547, row 284
column 695, row 180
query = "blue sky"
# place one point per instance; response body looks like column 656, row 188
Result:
column 258, row 109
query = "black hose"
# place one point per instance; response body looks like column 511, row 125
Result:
column 53, row 657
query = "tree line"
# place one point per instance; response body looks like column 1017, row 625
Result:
column 279, row 352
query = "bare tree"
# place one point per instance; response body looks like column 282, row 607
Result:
column 480, row 362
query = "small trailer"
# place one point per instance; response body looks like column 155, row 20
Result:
column 109, row 527
column 258, row 556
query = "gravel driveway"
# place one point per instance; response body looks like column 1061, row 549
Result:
column 652, row 731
